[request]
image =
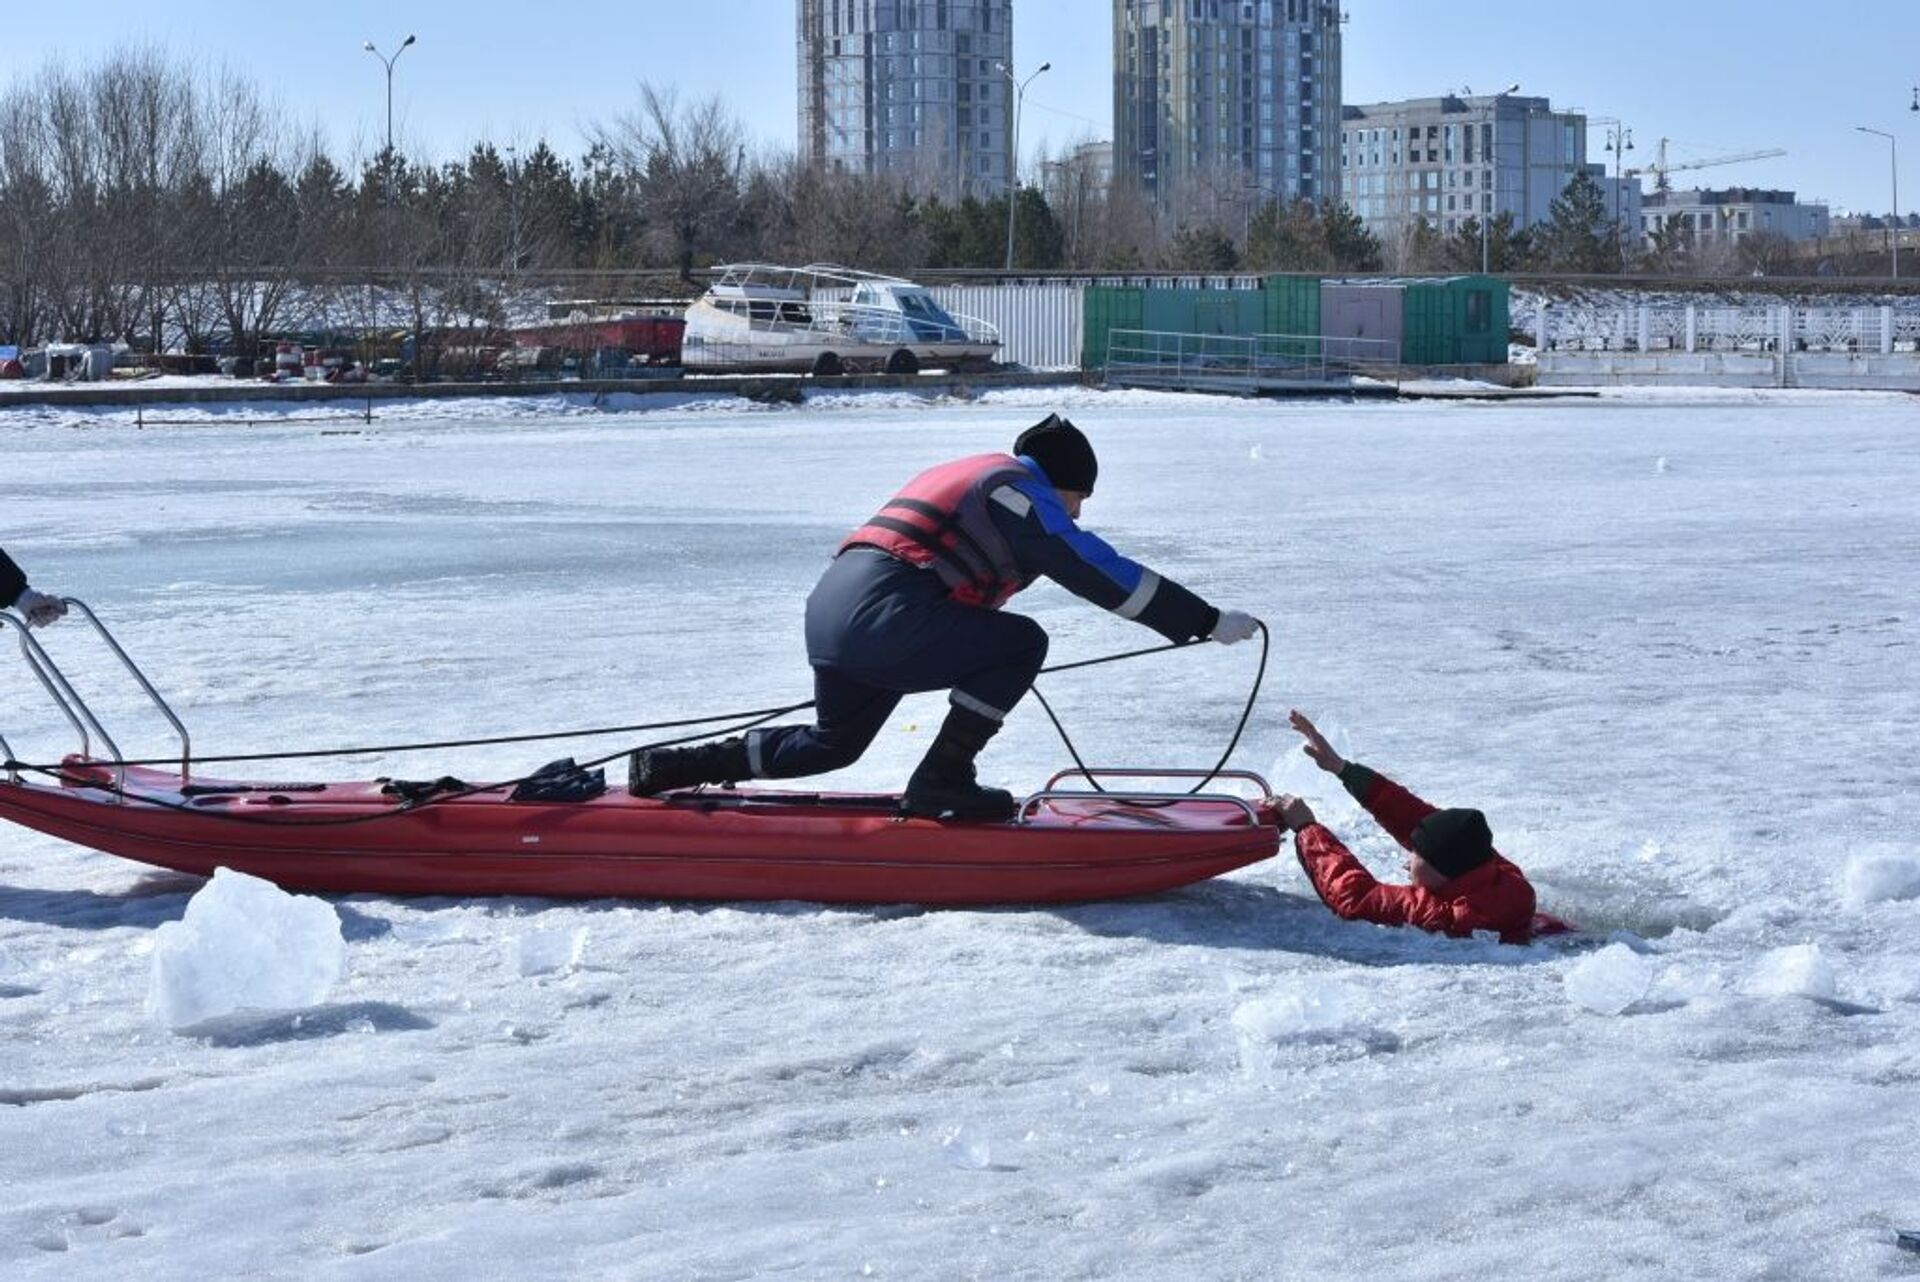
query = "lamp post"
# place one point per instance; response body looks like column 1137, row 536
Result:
column 1893, row 151
column 513, row 212
column 387, row 156
column 1619, row 142
column 1250, row 188
column 1491, row 196
column 1013, row 157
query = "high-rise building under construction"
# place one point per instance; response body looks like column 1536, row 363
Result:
column 913, row 88
column 1228, row 99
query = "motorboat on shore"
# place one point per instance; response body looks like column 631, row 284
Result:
column 825, row 319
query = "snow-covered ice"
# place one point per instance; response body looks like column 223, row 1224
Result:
column 1686, row 697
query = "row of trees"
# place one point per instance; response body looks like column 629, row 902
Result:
column 145, row 200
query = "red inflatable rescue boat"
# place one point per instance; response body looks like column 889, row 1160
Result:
column 357, row 838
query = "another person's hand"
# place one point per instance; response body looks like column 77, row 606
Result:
column 1316, row 745
column 1295, row 814
column 40, row 608
column 1234, row 627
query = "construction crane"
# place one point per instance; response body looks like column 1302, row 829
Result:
column 1660, row 168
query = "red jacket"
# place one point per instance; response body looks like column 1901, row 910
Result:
column 1495, row 896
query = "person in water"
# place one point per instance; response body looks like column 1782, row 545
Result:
column 911, row 602
column 37, row 608
column 1461, row 884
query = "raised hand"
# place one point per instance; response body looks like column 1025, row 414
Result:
column 1316, row 746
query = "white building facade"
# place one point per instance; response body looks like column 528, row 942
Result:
column 1234, row 96
column 911, row 88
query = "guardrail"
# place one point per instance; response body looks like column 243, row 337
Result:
column 1245, row 363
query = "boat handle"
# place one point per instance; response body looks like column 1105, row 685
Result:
column 1029, row 802
column 1089, row 773
column 64, row 697
column 75, row 708
column 133, row 670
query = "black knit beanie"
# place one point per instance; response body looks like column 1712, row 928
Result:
column 1062, row 452
column 1454, row 841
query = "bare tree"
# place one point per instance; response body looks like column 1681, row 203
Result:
column 685, row 167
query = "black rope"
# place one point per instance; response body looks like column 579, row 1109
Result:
column 742, row 721
column 1246, row 713
column 342, row 821
column 768, row 714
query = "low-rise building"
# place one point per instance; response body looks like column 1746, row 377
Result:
column 1731, row 214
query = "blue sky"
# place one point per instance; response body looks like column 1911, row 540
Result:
column 1714, row 77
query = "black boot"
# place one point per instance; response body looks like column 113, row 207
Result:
column 943, row 784
column 656, row 770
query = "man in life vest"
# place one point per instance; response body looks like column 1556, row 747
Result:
column 1460, row 882
column 911, row 602
column 37, row 608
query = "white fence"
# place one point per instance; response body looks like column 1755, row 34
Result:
column 1694, row 328
column 1040, row 325
column 1777, row 346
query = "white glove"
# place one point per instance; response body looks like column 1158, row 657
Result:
column 40, row 608
column 1233, row 627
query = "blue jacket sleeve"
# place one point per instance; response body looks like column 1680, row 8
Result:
column 13, row 581
column 1046, row 541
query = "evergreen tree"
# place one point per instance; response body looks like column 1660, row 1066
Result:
column 1578, row 236
column 1350, row 247
column 1202, row 249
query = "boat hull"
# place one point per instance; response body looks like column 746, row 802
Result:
column 749, row 845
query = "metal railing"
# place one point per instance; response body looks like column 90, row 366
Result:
column 1158, row 358
column 81, row 717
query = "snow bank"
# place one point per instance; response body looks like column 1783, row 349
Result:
column 244, row 944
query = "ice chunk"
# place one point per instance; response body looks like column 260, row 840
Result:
column 967, row 1149
column 244, row 944
column 1799, row 971
column 1309, row 1013
column 1870, row 878
column 1609, row 981
column 544, row 952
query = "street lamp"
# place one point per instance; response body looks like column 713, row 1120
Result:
column 1013, row 157
column 513, row 211
column 1619, row 142
column 1249, row 188
column 1893, row 149
column 1491, row 197
column 388, row 166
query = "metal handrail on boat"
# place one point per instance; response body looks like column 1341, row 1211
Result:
column 1051, row 791
column 75, row 709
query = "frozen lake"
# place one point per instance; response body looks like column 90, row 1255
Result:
column 1666, row 642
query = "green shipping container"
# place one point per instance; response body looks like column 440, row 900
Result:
column 1460, row 320
column 1292, row 305
column 1105, row 308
